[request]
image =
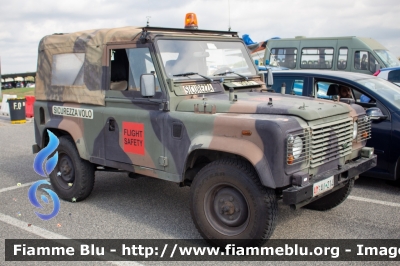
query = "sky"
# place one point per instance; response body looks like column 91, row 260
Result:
column 24, row 23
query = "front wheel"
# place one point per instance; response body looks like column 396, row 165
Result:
column 72, row 178
column 229, row 204
column 333, row 199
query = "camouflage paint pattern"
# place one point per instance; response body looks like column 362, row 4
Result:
column 166, row 140
column 89, row 42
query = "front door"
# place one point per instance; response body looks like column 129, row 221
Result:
column 381, row 138
column 133, row 124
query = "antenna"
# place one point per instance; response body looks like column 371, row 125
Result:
column 148, row 20
column 229, row 16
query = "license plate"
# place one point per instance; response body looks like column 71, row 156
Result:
column 323, row 185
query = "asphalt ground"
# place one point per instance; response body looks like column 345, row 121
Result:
column 146, row 208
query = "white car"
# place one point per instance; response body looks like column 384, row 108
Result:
column 391, row 73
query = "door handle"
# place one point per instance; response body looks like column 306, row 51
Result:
column 111, row 125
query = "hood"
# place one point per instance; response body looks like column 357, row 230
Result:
column 266, row 103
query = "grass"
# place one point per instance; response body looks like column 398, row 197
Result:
column 20, row 92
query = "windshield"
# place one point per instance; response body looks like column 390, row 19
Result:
column 385, row 89
column 388, row 58
column 206, row 58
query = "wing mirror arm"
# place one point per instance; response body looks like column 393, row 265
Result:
column 377, row 118
column 375, row 114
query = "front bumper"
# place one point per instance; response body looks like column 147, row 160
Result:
column 302, row 195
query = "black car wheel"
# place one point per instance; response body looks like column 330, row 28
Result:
column 73, row 177
column 228, row 203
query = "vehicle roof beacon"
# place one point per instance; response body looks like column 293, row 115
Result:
column 235, row 157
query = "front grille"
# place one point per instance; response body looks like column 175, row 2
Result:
column 331, row 141
column 364, row 128
column 323, row 143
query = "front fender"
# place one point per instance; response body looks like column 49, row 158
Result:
column 76, row 134
column 73, row 126
column 241, row 147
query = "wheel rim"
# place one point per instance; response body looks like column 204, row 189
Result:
column 226, row 209
column 65, row 171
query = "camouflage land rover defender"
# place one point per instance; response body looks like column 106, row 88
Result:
column 189, row 106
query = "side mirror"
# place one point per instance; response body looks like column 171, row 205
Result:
column 375, row 113
column 270, row 78
column 147, row 85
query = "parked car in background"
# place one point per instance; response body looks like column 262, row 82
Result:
column 20, row 84
column 391, row 73
column 30, row 85
column 7, row 85
column 383, row 107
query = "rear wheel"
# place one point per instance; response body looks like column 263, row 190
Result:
column 229, row 204
column 333, row 199
column 72, row 178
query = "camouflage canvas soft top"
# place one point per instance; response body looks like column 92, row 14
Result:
column 72, row 67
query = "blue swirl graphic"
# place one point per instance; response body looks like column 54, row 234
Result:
column 45, row 199
column 40, row 158
column 32, row 197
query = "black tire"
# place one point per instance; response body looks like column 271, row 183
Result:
column 228, row 204
column 72, row 178
column 332, row 200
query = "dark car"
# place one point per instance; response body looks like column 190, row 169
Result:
column 379, row 97
column 20, row 84
column 7, row 85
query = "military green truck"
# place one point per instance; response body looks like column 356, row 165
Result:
column 189, row 106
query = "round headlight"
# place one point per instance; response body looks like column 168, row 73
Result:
column 355, row 128
column 297, row 147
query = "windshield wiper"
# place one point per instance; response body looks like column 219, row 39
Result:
column 192, row 74
column 231, row 72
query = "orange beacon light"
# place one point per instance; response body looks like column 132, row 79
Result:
column 191, row 21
